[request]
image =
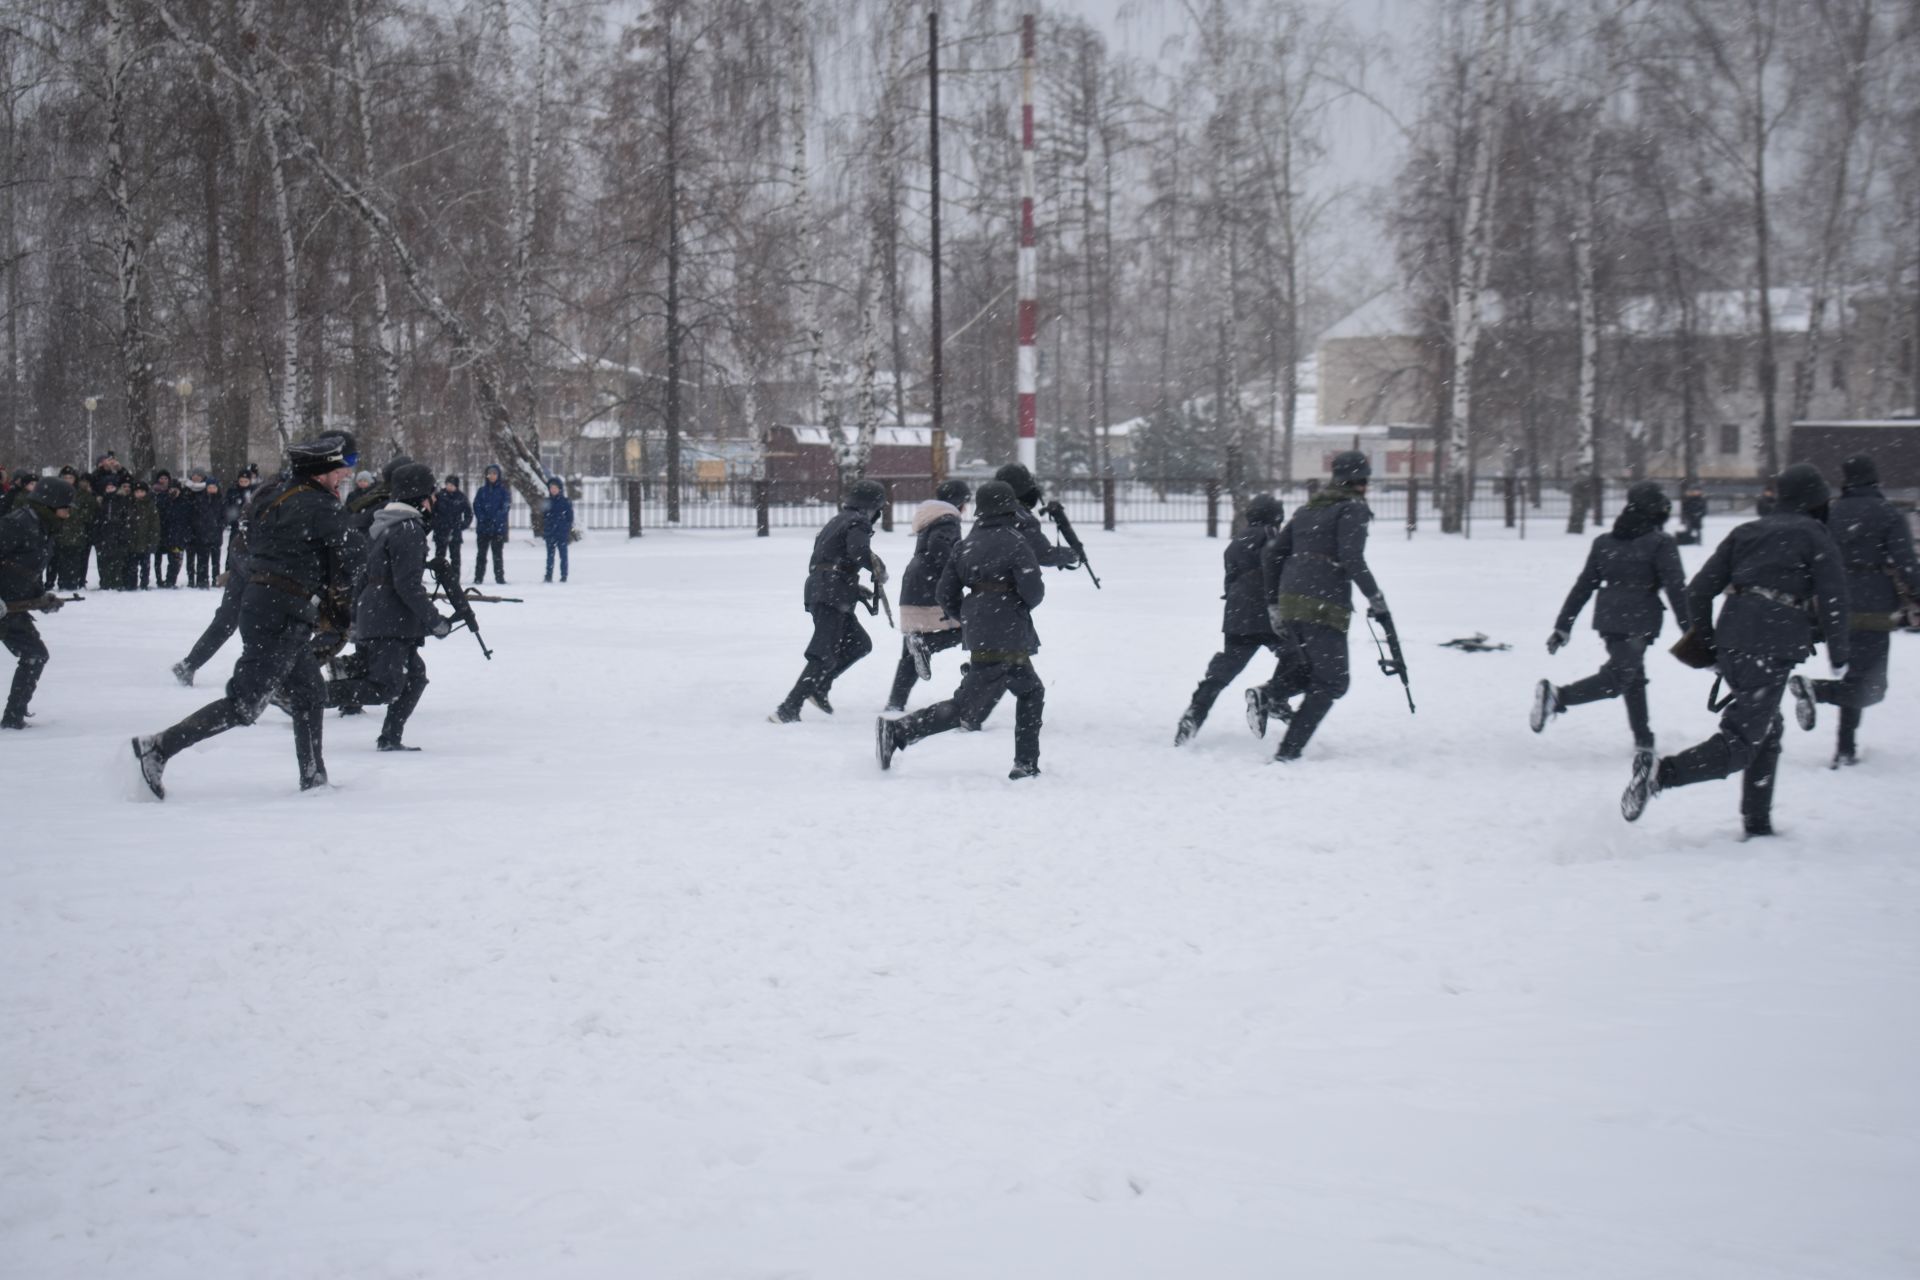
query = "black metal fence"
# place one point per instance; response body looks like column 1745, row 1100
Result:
column 638, row 506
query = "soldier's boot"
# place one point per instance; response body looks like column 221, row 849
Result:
column 308, row 727
column 1803, row 701
column 1190, row 721
column 152, row 764
column 1313, row 709
column 789, row 709
column 26, row 678
column 1702, row 762
column 1257, row 711
column 1844, row 750
column 884, row 742
column 1028, row 712
column 395, row 725
column 1643, row 786
column 922, row 660
column 1756, row 791
column 905, row 675
column 1546, row 705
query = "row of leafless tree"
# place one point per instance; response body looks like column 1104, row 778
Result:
column 459, row 224
column 1587, row 161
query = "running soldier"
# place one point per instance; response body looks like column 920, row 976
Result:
column 1876, row 546
column 1027, row 491
column 26, row 555
column 1245, row 622
column 992, row 584
column 925, row 627
column 833, row 591
column 297, row 564
column 1629, row 567
column 1316, row 562
column 1780, row 573
column 392, row 616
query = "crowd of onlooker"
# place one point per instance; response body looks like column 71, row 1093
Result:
column 139, row 533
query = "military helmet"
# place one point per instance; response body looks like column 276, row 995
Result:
column 866, row 495
column 953, row 492
column 1020, row 480
column 1352, row 467
column 1265, row 509
column 1802, row 488
column 411, row 482
column 1649, row 497
column 52, row 494
column 994, row 498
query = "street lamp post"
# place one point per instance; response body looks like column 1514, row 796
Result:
column 92, row 403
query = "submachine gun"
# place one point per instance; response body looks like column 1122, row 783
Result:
column 1056, row 513
column 1395, row 665
column 48, row 603
column 455, row 594
column 876, row 599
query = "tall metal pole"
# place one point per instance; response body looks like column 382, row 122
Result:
column 1028, row 357
column 939, row 460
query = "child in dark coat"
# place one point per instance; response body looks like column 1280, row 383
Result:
column 557, row 526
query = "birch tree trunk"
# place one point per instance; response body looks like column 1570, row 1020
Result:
column 1475, row 258
column 1587, row 292
column 292, row 391
column 869, row 404
column 136, row 366
column 387, row 362
column 824, row 404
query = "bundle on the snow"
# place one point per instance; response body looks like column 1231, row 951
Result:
column 1475, row 643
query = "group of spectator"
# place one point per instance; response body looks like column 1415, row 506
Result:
column 139, row 533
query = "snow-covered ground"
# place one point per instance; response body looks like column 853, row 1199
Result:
column 616, row 979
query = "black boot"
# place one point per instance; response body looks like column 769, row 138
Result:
column 152, row 765
column 1300, row 729
column 395, row 725
column 1844, row 751
column 1190, row 722
column 308, row 727
column 1756, row 790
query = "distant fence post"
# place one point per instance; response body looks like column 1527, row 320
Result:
column 886, row 512
column 1413, row 504
column 760, row 523
column 1106, row 504
column 1213, row 508
column 633, row 508
column 1507, row 482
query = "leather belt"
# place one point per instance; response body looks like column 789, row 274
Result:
column 1768, row 593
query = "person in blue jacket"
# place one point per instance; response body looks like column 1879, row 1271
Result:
column 490, row 503
column 557, row 525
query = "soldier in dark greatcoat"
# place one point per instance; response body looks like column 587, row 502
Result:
column 1245, row 622
column 296, row 566
column 1028, row 494
column 1629, row 566
column 26, row 556
column 992, row 584
column 1876, row 546
column 1314, row 564
column 1782, row 574
column 833, row 591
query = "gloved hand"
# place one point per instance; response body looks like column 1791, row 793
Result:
column 1377, row 608
column 442, row 627
column 1273, row 617
column 50, row 603
column 879, row 571
column 1069, row 558
column 1556, row 641
column 1839, row 669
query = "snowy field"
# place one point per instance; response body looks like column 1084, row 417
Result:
column 616, row 979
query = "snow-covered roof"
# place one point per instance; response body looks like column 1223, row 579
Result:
column 1719, row 313
column 902, row 437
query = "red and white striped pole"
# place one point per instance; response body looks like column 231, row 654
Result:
column 1029, row 355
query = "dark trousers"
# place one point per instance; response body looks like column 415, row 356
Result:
column 70, row 567
column 560, row 545
column 200, row 565
column 22, row 640
column 136, row 571
column 1236, row 653
column 980, row 689
column 172, row 557
column 1749, row 739
column 483, row 543
column 395, row 674
column 226, row 620
column 838, row 642
column 277, row 653
column 905, row 674
column 113, row 567
column 1318, row 669
column 1624, row 676
column 446, row 546
column 1864, row 686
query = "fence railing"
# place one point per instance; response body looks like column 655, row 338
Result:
column 638, row 506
